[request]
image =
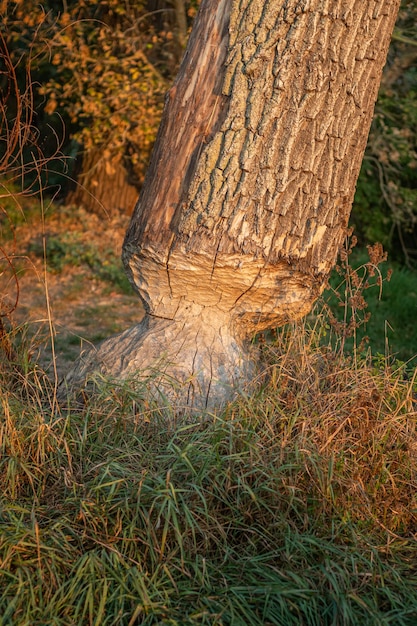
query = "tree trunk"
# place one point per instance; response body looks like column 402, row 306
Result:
column 250, row 185
column 181, row 19
column 103, row 186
